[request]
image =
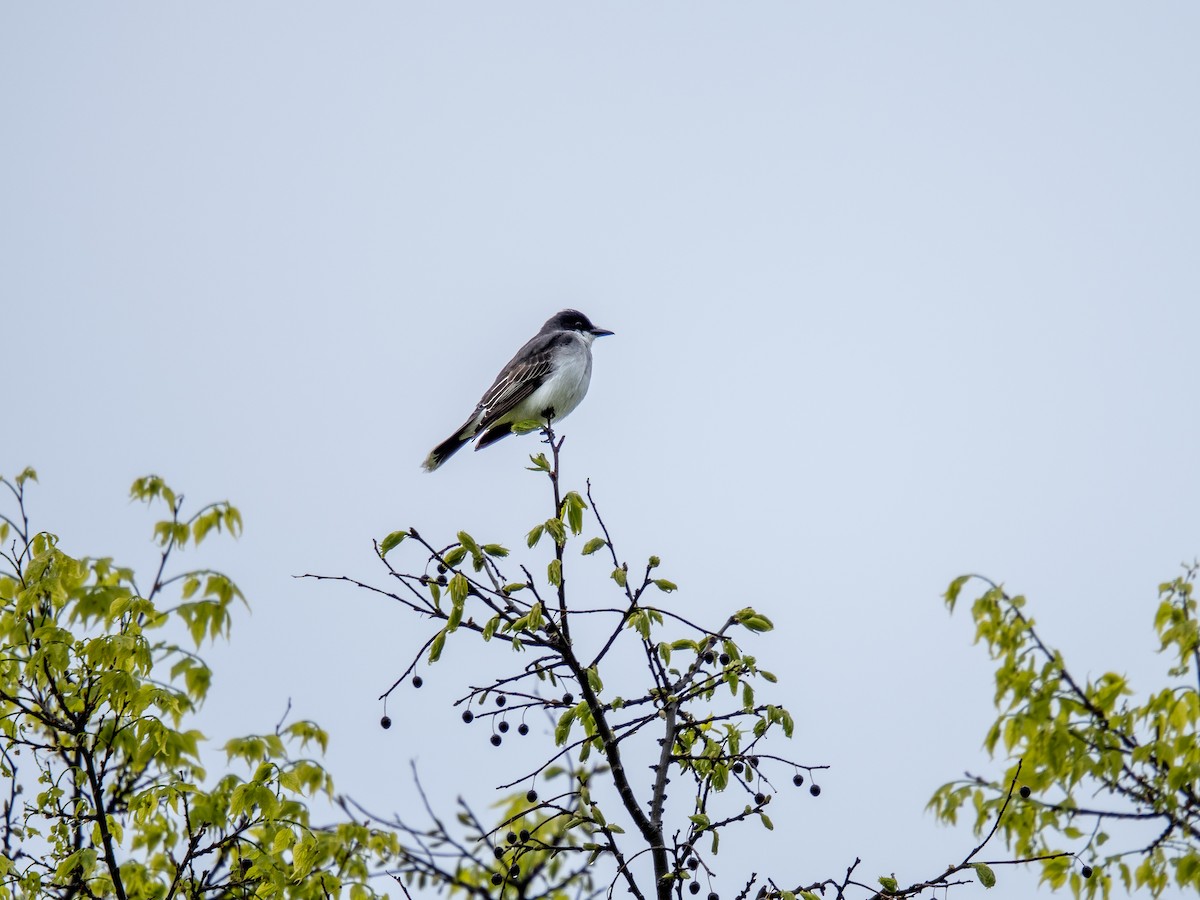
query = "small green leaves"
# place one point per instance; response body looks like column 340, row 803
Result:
column 572, row 511
column 554, row 572
column 540, row 463
column 563, row 729
column 955, row 588
column 556, row 530
column 147, row 488
column 468, row 543
column 664, row 585
column 81, row 671
column 753, row 621
column 985, row 874
column 593, row 545
column 534, row 536
column 215, row 517
column 619, row 575
column 435, row 648
column 459, row 588
column 391, row 542
column 594, row 682
column 888, row 883
column 525, row 426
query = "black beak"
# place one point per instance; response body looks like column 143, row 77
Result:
column 600, row 332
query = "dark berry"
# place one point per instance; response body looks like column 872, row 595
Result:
column 522, row 729
column 1086, row 871
column 531, row 796
column 502, row 727
column 511, row 837
column 694, row 887
column 724, row 659
column 797, row 779
column 713, row 896
column 568, row 698
column 524, row 835
column 815, row 790
column 386, row 722
column 418, row 681
column 496, row 739
column 441, row 569
column 501, row 700
column 514, row 871
column 442, row 580
column 499, row 851
column 497, row 878
column 1025, row 791
column 760, row 798
column 753, row 760
column 709, row 658
column 693, row 864
column 737, row 768
column 468, row 716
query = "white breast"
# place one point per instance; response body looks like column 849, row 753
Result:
column 566, row 386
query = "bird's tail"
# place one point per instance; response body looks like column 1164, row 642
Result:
column 449, row 446
column 443, row 452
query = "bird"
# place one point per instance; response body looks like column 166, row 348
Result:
column 546, row 380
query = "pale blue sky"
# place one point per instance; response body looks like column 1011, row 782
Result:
column 899, row 291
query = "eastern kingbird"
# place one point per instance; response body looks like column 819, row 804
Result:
column 545, row 380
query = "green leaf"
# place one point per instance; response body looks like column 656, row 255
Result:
column 889, row 883
column 572, row 511
column 459, row 588
column 752, row 620
column 456, row 614
column 435, row 649
column 563, row 729
column 593, row 545
column 593, row 677
column 666, row 586
column 619, row 575
column 556, row 530
column 391, row 542
column 540, row 463
column 525, row 426
column 490, row 628
column 554, row 572
column 534, row 535
column 985, row 874
column 955, row 589
column 454, row 556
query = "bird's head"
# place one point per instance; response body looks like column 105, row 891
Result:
column 574, row 320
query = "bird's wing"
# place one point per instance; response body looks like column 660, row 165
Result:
column 523, row 375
